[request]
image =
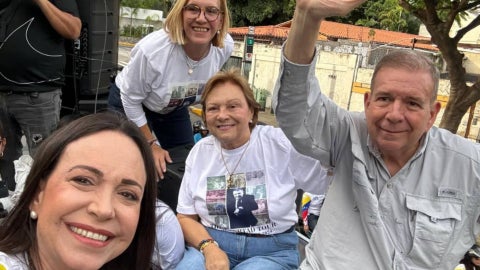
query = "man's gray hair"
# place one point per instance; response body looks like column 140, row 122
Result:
column 412, row 61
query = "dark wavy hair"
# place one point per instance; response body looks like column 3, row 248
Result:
column 473, row 252
column 18, row 231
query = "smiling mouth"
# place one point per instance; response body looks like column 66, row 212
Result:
column 225, row 126
column 200, row 29
column 89, row 234
column 392, row 131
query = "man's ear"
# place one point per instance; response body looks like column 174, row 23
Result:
column 434, row 112
column 366, row 99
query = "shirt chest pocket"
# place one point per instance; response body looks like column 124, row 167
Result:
column 433, row 223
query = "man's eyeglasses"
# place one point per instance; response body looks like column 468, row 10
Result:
column 193, row 11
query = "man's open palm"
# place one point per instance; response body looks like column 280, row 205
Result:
column 320, row 9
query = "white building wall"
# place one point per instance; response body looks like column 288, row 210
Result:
column 472, row 37
column 335, row 71
column 140, row 16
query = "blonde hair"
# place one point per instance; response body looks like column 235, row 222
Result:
column 174, row 23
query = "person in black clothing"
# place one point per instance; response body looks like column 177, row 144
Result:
column 3, row 143
column 32, row 34
column 240, row 207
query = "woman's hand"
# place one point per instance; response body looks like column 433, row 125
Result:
column 161, row 157
column 215, row 258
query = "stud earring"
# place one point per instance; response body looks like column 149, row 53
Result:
column 251, row 121
column 218, row 32
column 33, row 215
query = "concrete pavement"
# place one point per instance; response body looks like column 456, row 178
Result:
column 267, row 118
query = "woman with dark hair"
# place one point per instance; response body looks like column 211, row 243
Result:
column 471, row 260
column 22, row 167
column 88, row 202
column 3, row 186
column 3, row 144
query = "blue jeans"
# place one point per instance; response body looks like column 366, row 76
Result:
column 249, row 253
column 34, row 115
column 114, row 101
column 173, row 129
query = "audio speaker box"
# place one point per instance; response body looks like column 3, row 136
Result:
column 92, row 59
column 169, row 186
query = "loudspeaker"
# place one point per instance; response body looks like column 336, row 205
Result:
column 169, row 186
column 92, row 59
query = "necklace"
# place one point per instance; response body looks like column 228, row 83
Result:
column 192, row 64
column 230, row 173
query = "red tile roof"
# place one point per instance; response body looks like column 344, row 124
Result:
column 333, row 31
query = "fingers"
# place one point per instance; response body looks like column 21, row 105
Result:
column 167, row 157
column 161, row 157
column 328, row 8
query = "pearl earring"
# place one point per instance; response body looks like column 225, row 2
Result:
column 218, row 32
column 33, row 215
column 251, row 121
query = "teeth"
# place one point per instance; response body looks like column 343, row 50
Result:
column 89, row 234
column 200, row 29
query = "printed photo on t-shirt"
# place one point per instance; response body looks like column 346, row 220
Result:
column 183, row 94
column 238, row 201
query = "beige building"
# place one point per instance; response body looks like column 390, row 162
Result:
column 472, row 37
column 344, row 67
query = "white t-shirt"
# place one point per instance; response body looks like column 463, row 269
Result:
column 157, row 76
column 170, row 244
column 22, row 168
column 316, row 202
column 12, row 262
column 270, row 171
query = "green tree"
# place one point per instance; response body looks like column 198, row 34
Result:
column 163, row 5
column 383, row 14
column 134, row 5
column 260, row 12
column 438, row 17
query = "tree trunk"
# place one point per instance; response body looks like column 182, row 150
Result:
column 461, row 96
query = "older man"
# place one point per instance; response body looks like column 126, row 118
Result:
column 405, row 195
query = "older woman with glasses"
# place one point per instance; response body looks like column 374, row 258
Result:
column 168, row 70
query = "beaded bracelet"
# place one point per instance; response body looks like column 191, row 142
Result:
column 204, row 243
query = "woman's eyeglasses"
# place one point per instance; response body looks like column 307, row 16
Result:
column 193, row 11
